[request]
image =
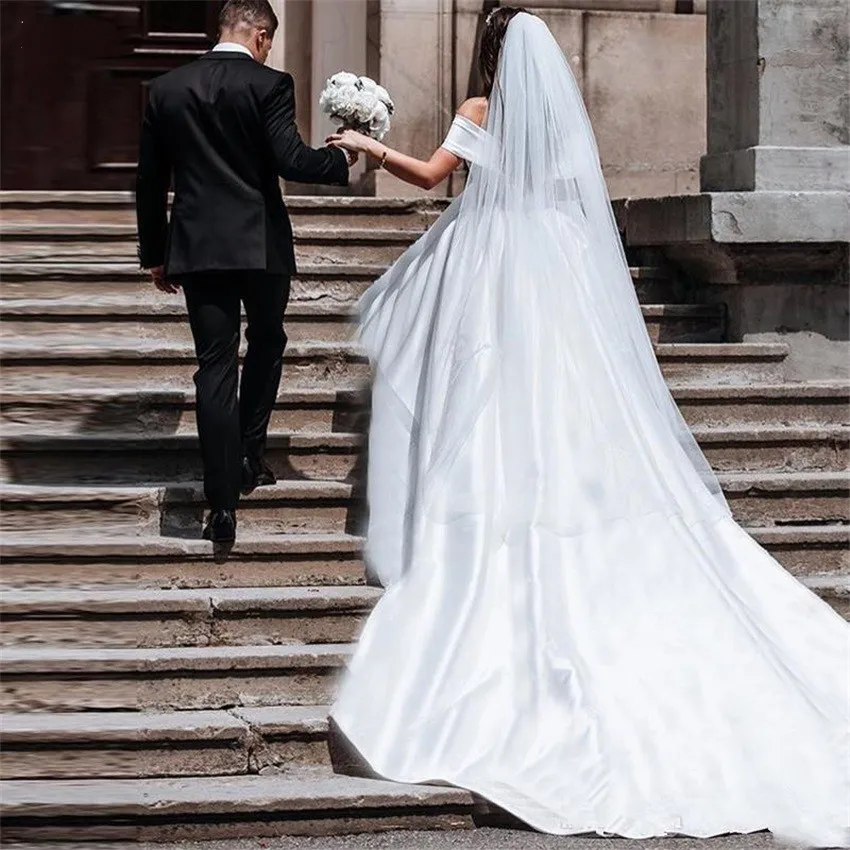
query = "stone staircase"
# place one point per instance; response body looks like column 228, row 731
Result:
column 153, row 694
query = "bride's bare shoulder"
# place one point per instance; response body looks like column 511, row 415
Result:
column 475, row 109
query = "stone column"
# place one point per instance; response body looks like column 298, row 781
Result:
column 769, row 233
column 416, row 66
column 292, row 52
column 277, row 56
column 778, row 95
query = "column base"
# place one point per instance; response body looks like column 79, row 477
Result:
column 778, row 261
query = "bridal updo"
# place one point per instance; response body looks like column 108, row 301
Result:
column 491, row 43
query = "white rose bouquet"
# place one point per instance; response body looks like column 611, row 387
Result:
column 357, row 103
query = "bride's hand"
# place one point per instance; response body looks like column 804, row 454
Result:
column 350, row 140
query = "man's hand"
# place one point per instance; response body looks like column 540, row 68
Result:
column 159, row 281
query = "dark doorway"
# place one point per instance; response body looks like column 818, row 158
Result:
column 74, row 77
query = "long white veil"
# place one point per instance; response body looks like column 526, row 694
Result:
column 546, row 162
column 519, row 304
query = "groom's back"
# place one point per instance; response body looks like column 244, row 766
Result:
column 211, row 111
column 223, row 127
column 226, row 193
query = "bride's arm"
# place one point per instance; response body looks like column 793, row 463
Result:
column 423, row 173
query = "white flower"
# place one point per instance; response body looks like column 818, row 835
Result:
column 357, row 102
column 367, row 84
column 384, row 96
column 379, row 121
column 342, row 78
column 365, row 103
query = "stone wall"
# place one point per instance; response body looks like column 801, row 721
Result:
column 641, row 65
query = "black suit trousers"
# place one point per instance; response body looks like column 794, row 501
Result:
column 233, row 415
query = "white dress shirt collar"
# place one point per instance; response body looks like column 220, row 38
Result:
column 232, row 47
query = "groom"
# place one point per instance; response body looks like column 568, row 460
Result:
column 224, row 127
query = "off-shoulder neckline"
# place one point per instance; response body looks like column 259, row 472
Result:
column 463, row 119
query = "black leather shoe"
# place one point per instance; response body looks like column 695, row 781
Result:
column 255, row 473
column 221, row 531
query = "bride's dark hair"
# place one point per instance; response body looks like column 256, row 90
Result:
column 491, row 43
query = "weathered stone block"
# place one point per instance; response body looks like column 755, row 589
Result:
column 651, row 129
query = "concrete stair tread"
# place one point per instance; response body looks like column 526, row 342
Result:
column 158, row 660
column 117, row 347
column 758, row 433
column 234, row 600
column 165, row 492
column 145, row 305
column 810, row 389
column 807, row 534
column 778, row 481
column 23, row 436
column 82, row 197
column 112, row 269
column 125, row 232
column 230, row 600
column 59, row 393
column 84, row 544
column 105, row 727
column 332, row 489
column 302, row 790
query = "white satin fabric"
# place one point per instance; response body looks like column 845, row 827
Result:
column 573, row 627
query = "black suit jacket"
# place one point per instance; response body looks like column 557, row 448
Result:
column 224, row 126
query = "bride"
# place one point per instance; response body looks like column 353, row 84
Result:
column 574, row 627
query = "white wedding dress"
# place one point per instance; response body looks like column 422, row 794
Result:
column 574, row 627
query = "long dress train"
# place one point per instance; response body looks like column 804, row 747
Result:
column 574, row 627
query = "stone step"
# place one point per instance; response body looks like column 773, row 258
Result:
column 332, row 507
column 136, row 744
column 817, row 403
column 788, row 449
column 108, row 361
column 137, row 619
column 83, row 560
column 97, row 243
column 133, row 409
column 169, row 678
column 177, row 510
column 43, row 457
column 236, row 616
column 790, row 498
column 305, row 801
column 149, row 317
column 112, row 360
column 313, row 281
column 55, row 280
column 118, row 208
column 133, row 459
column 323, row 507
column 816, row 550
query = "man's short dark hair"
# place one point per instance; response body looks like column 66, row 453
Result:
column 257, row 14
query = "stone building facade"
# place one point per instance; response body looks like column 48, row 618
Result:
column 640, row 63
column 74, row 75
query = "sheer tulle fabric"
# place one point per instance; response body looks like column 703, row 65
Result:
column 574, row 627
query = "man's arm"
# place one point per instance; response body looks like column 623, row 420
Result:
column 295, row 160
column 152, row 180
